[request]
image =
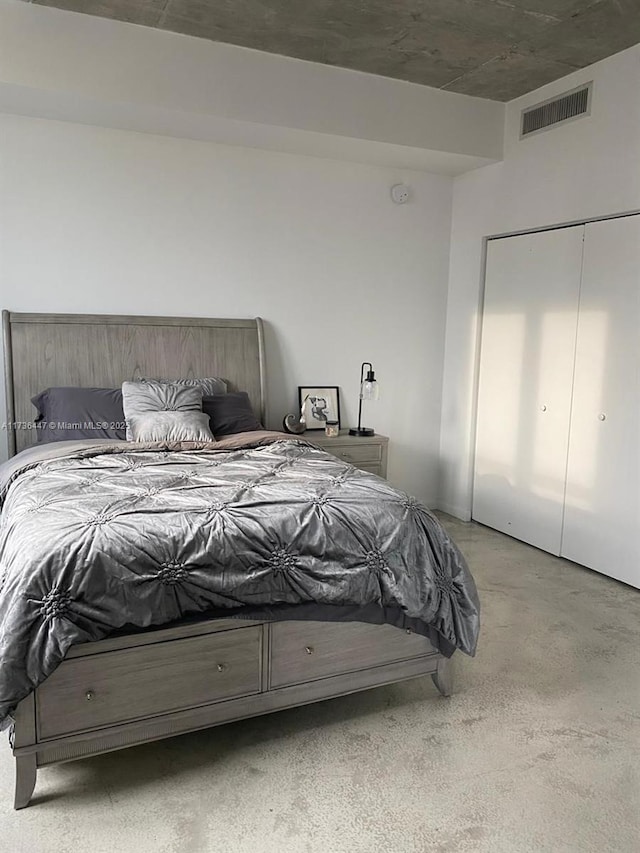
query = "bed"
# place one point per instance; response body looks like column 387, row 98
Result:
column 109, row 638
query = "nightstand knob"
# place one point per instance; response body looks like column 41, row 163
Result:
column 89, row 695
column 308, row 650
column 221, row 667
column 345, row 455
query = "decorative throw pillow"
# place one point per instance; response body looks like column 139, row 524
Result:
column 209, row 386
column 139, row 398
column 67, row 414
column 170, row 426
column 230, row 413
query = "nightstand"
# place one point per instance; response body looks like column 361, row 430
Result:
column 369, row 453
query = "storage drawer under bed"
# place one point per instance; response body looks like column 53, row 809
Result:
column 113, row 687
column 305, row 651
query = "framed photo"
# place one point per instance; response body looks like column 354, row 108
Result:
column 319, row 404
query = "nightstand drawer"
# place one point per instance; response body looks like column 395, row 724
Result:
column 367, row 454
column 355, row 454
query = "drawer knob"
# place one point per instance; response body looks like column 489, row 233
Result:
column 89, row 695
column 408, row 630
column 345, row 455
column 308, row 650
column 602, row 416
column 222, row 667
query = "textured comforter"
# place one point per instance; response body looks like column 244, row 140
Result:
column 98, row 536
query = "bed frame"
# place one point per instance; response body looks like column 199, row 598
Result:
column 150, row 685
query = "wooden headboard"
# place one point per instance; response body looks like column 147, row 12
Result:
column 103, row 350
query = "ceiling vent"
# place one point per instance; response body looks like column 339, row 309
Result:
column 567, row 107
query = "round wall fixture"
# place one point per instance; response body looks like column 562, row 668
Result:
column 400, row 193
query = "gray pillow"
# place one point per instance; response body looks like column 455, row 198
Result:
column 210, row 386
column 67, row 414
column 230, row 413
column 139, row 398
column 170, row 426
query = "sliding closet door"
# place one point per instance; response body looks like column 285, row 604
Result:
column 602, row 512
column 526, row 368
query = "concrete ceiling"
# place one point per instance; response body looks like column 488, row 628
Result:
column 496, row 49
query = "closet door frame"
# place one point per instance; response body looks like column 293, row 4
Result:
column 475, row 387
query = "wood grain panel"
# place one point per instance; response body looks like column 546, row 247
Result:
column 100, row 690
column 363, row 453
column 168, row 725
column 304, row 651
column 47, row 350
column 24, row 731
column 367, row 454
column 158, row 634
column 372, row 469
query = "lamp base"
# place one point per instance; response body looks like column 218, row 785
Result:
column 363, row 431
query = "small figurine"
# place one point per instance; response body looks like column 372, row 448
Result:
column 294, row 424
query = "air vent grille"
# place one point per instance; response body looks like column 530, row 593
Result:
column 569, row 106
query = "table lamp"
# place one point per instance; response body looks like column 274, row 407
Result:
column 368, row 391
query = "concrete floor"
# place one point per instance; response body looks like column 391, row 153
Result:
column 538, row 750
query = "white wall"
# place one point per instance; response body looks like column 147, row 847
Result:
column 101, row 220
column 583, row 169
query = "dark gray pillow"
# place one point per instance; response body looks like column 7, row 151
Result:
column 231, row 412
column 67, row 414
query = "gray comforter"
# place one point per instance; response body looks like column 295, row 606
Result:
column 96, row 537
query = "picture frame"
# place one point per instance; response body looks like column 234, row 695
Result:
column 319, row 404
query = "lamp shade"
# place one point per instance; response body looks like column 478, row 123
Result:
column 370, row 387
